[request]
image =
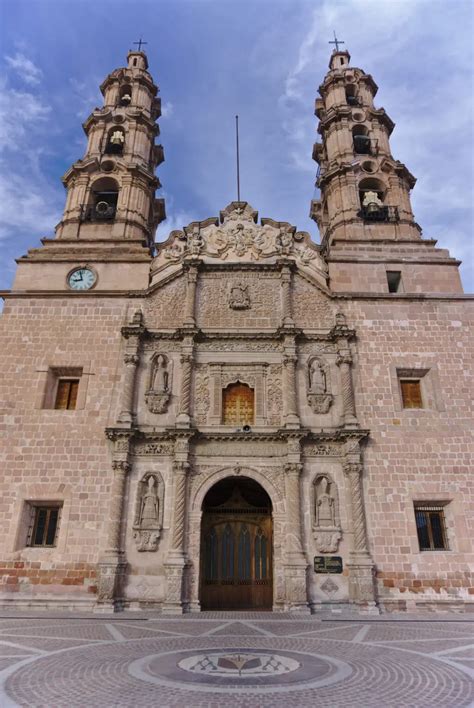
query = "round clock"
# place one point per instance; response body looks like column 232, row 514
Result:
column 81, row 279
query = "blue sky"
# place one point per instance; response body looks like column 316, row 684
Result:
column 212, row 59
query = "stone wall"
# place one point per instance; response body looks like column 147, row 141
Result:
column 56, row 455
column 416, row 454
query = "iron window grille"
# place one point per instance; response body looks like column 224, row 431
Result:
column 44, row 526
column 431, row 527
column 387, row 214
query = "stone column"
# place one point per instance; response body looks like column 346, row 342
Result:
column 183, row 416
column 289, row 388
column 344, row 361
column 126, row 396
column 112, row 563
column 361, row 566
column 286, row 296
column 295, row 567
column 176, row 560
column 189, row 306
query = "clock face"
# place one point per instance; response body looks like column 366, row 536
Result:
column 81, row 279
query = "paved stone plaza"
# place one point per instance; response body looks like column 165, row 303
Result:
column 238, row 659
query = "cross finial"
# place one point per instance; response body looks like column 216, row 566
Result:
column 336, row 41
column 140, row 42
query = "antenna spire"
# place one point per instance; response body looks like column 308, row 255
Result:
column 237, row 155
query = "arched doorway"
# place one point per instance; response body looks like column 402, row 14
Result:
column 236, row 546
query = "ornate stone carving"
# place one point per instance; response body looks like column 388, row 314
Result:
column 274, row 394
column 148, row 512
column 201, row 394
column 236, row 345
column 319, row 398
column 353, row 470
column 323, row 450
column 329, row 586
column 238, row 237
column 239, row 298
column 110, row 581
column 326, row 525
column 153, row 448
column 159, row 391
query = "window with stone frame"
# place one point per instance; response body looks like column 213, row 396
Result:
column 238, row 404
column 431, row 526
column 43, row 523
column 62, row 388
column 412, row 387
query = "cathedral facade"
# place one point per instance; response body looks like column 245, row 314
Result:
column 237, row 418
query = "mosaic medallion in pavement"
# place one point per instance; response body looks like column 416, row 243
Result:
column 239, row 670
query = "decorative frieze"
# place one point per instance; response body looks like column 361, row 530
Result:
column 153, row 448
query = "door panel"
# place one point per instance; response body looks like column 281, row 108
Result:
column 236, row 561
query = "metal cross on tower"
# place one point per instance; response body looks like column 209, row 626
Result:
column 140, row 42
column 336, row 41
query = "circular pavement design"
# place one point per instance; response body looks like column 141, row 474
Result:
column 263, row 671
column 245, row 670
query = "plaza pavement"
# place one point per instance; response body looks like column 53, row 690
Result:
column 249, row 660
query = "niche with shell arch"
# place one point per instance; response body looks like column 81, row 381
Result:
column 325, row 514
column 158, row 392
column 148, row 518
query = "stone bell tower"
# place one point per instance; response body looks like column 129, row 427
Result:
column 111, row 212
column 364, row 212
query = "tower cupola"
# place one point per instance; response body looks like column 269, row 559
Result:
column 364, row 190
column 111, row 190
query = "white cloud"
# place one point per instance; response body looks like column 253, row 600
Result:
column 25, row 68
column 20, row 114
column 174, row 221
column 167, row 109
column 25, row 204
column 86, row 96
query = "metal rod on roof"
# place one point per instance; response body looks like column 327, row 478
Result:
column 238, row 160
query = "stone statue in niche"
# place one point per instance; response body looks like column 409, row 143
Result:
column 148, row 512
column 319, row 398
column 159, row 390
column 326, row 526
column 239, row 298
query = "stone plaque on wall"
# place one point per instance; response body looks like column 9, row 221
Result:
column 328, row 564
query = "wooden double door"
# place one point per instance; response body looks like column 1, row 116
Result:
column 236, row 559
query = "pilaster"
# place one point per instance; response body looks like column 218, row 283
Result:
column 361, row 566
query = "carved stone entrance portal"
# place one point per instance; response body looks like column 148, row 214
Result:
column 236, row 547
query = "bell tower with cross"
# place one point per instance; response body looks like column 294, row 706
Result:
column 364, row 211
column 111, row 212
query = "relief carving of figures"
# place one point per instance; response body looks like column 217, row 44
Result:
column 285, row 240
column 242, row 237
column 326, row 524
column 148, row 512
column 175, row 251
column 195, row 242
column 319, row 398
column 239, row 298
column 159, row 390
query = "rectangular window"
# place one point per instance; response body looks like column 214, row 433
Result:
column 411, row 393
column 66, row 394
column 44, row 525
column 431, row 527
column 394, row 280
